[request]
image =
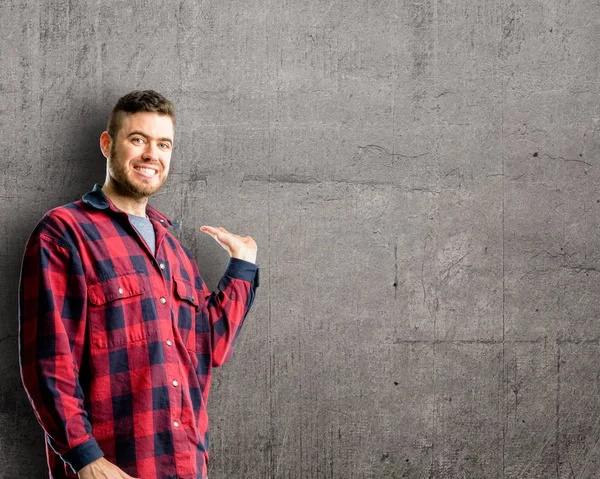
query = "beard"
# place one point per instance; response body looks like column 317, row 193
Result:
column 123, row 184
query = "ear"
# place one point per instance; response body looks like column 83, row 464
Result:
column 105, row 144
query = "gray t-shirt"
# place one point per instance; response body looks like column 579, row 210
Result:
column 145, row 229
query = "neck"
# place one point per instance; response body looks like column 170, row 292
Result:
column 131, row 205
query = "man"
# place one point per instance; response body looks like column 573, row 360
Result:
column 118, row 332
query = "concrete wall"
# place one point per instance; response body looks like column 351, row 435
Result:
column 421, row 178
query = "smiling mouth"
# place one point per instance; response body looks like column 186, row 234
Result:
column 147, row 172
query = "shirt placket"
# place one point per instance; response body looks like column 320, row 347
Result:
column 175, row 374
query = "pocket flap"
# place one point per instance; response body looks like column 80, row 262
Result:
column 185, row 290
column 116, row 288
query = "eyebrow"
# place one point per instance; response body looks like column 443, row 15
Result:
column 136, row 132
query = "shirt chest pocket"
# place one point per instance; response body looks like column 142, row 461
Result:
column 119, row 311
column 187, row 311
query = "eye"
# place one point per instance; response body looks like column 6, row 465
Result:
column 165, row 146
column 137, row 140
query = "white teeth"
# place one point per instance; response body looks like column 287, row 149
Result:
column 145, row 170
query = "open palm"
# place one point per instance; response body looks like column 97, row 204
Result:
column 242, row 247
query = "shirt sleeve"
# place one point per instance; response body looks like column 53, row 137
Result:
column 228, row 307
column 52, row 326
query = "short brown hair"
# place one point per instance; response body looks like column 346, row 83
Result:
column 134, row 102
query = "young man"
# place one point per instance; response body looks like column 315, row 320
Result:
column 118, row 332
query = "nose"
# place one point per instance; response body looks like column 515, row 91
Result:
column 150, row 153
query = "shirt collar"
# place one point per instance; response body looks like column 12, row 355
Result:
column 97, row 199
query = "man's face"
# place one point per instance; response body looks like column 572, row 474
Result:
column 139, row 157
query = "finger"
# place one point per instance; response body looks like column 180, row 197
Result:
column 223, row 230
column 222, row 238
column 210, row 230
column 219, row 233
column 213, row 230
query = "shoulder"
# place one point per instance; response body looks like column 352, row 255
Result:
column 187, row 252
column 59, row 224
column 176, row 244
column 183, row 254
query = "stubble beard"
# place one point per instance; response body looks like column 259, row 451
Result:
column 123, row 184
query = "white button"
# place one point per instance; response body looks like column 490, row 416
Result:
column 175, row 423
column 162, row 265
column 162, row 221
column 120, row 290
column 163, row 300
column 175, row 383
column 169, row 342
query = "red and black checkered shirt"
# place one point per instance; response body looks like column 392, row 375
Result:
column 117, row 344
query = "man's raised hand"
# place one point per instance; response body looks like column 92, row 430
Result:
column 237, row 246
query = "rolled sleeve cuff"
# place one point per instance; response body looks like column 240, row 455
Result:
column 242, row 269
column 80, row 456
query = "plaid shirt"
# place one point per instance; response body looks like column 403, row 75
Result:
column 117, row 345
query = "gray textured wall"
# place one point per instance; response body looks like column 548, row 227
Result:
column 421, row 178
